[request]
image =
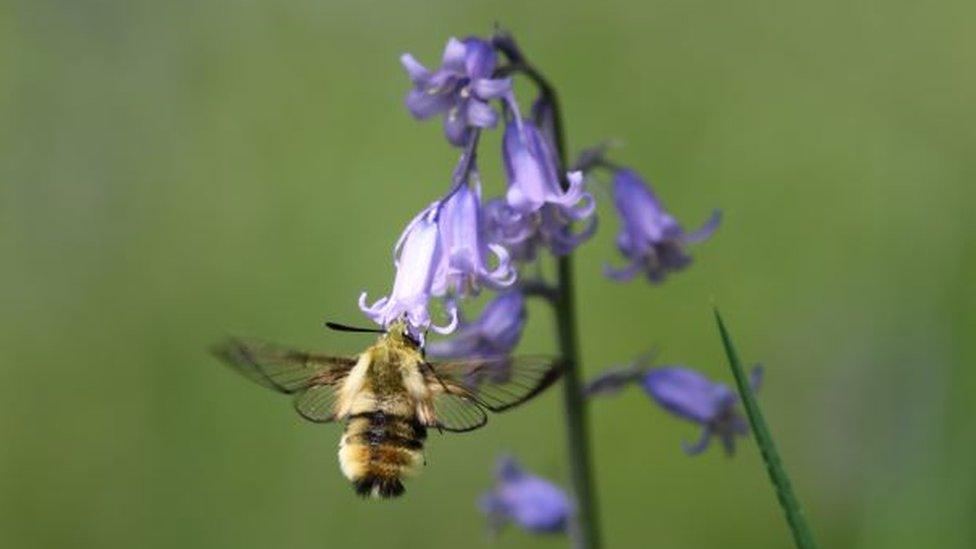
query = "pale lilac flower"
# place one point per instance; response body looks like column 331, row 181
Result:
column 417, row 257
column 533, row 177
column 533, row 503
column 536, row 210
column 460, row 89
column 649, row 237
column 690, row 395
column 495, row 333
column 465, row 252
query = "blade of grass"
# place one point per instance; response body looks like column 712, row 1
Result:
column 774, row 465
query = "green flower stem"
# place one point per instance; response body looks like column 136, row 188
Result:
column 802, row 536
column 587, row 533
column 575, row 407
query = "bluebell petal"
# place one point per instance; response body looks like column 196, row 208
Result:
column 417, row 72
column 705, row 230
column 507, row 469
column 625, row 273
column 454, row 55
column 557, row 229
column 487, row 88
column 452, row 322
column 479, row 58
column 455, row 127
column 571, row 198
column 698, row 447
column 425, row 105
column 465, row 252
column 640, row 210
column 728, row 442
column 480, row 114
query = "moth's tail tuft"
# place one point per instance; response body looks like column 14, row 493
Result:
column 371, row 486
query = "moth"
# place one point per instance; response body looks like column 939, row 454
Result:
column 388, row 396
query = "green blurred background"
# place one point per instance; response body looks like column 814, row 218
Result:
column 174, row 171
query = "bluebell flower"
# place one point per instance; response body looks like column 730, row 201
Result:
column 536, row 210
column 465, row 254
column 496, row 332
column 690, row 395
column 460, row 89
column 417, row 258
column 649, row 237
column 533, row 176
column 533, row 503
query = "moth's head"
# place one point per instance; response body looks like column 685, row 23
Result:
column 399, row 333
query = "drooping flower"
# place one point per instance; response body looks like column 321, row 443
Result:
column 536, row 211
column 495, row 333
column 650, row 238
column 460, row 89
column 465, row 251
column 531, row 502
column 417, row 258
column 533, row 177
column 690, row 395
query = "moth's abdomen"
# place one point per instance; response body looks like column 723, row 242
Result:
column 378, row 450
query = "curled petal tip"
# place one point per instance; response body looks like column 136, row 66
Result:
column 450, row 326
column 705, row 230
column 701, row 445
column 621, row 275
column 454, row 54
column 416, row 71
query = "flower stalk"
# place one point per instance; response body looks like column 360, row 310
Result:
column 564, row 309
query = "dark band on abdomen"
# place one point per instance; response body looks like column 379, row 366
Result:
column 391, row 445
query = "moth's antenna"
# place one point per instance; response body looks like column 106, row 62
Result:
column 344, row 328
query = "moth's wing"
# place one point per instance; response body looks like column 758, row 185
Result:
column 458, row 413
column 464, row 388
column 314, row 379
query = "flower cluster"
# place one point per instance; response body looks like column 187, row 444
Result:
column 461, row 243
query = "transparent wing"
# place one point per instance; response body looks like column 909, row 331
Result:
column 458, row 413
column 313, row 378
column 495, row 383
column 317, row 403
